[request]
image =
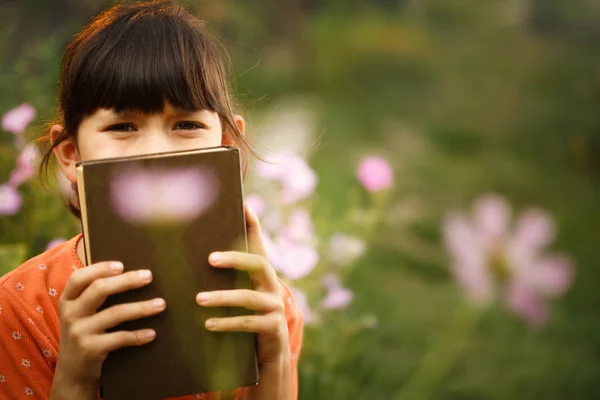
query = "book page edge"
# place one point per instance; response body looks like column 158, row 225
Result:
column 83, row 210
column 157, row 155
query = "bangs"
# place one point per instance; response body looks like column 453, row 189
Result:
column 139, row 57
column 140, row 62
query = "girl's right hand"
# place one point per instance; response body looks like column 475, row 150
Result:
column 84, row 343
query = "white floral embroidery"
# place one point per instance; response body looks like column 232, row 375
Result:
column 2, row 379
column 19, row 286
column 47, row 353
column 52, row 292
column 29, row 391
column 293, row 356
column 31, row 321
column 39, row 309
column 200, row 396
column 43, row 267
column 74, row 267
column 26, row 363
column 16, row 335
column 0, row 309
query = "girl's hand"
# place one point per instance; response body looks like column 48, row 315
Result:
column 84, row 343
column 269, row 321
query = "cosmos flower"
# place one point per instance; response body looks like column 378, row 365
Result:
column 17, row 119
column 142, row 196
column 490, row 260
column 375, row 173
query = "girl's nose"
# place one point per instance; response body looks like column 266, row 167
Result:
column 156, row 142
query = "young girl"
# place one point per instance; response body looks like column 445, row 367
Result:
column 139, row 79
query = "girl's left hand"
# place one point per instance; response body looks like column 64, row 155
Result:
column 269, row 321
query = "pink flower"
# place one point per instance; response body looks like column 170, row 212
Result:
column 273, row 220
column 269, row 170
column 294, row 260
column 298, row 180
column 26, row 165
column 299, row 227
column 54, row 243
column 17, row 119
column 257, row 203
column 337, row 296
column 344, row 249
column 490, row 259
column 375, row 173
column 162, row 196
column 302, row 303
column 274, row 255
column 10, row 200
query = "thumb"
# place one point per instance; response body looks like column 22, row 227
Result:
column 253, row 232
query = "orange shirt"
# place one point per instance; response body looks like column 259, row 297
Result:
column 29, row 324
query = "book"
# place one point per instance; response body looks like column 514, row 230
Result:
column 167, row 212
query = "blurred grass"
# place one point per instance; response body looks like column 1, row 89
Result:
column 463, row 99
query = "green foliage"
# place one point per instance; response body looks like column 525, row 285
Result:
column 11, row 255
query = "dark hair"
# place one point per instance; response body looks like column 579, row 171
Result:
column 136, row 56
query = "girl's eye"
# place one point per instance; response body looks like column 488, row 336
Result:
column 121, row 128
column 187, row 125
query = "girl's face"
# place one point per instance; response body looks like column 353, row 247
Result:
column 107, row 134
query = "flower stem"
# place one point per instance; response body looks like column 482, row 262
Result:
column 439, row 359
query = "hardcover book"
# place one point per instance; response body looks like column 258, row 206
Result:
column 167, row 212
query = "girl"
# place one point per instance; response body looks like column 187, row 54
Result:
column 140, row 78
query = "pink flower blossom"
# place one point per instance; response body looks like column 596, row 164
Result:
column 298, row 180
column 331, row 281
column 26, row 165
column 17, row 119
column 162, row 196
column 294, row 260
column 337, row 296
column 344, row 249
column 272, row 221
column 375, row 173
column 257, row 203
column 272, row 250
column 10, row 200
column 269, row 170
column 302, row 303
column 490, row 259
column 299, row 227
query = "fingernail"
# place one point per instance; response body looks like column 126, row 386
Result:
column 150, row 335
column 159, row 303
column 250, row 208
column 116, row 266
column 210, row 324
column 215, row 258
column 145, row 275
column 203, row 297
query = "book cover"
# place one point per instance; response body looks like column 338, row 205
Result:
column 167, row 212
